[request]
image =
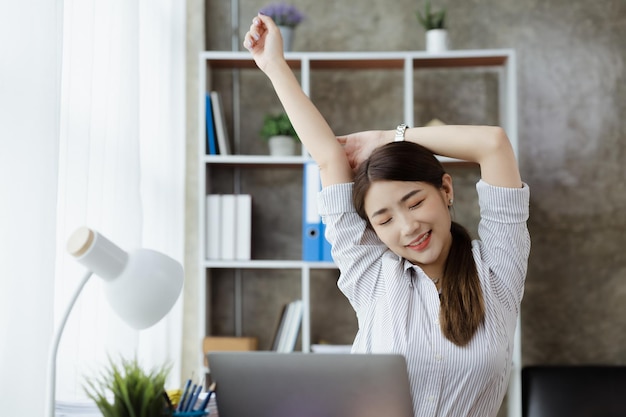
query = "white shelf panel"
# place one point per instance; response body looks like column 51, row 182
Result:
column 268, row 264
column 255, row 160
column 363, row 60
column 503, row 61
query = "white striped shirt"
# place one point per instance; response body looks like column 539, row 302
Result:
column 397, row 305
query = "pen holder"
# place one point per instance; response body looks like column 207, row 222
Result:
column 197, row 413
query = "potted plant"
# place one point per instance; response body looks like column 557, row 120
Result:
column 279, row 133
column 434, row 22
column 286, row 17
column 126, row 390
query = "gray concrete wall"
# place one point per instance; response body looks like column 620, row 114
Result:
column 572, row 91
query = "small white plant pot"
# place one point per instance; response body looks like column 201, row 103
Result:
column 282, row 146
column 437, row 40
column 287, row 33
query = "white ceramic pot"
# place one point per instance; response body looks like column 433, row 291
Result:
column 287, row 33
column 437, row 40
column 282, row 146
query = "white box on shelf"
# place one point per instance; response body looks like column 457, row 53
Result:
column 229, row 226
column 243, row 239
column 213, row 232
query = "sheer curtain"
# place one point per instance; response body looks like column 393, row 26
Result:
column 109, row 155
column 121, row 169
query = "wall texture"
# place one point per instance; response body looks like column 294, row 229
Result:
column 572, row 131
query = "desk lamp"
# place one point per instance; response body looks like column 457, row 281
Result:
column 141, row 286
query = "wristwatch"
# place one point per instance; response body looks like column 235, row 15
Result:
column 400, row 132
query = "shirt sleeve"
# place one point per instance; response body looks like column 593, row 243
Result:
column 356, row 249
column 505, row 241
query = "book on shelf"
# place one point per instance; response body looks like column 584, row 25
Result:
column 221, row 130
column 210, row 127
column 228, row 228
column 279, row 328
column 288, row 328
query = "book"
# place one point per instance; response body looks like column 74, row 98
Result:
column 220, row 124
column 289, row 332
column 280, row 327
column 210, row 128
column 213, row 226
column 229, row 226
column 243, row 239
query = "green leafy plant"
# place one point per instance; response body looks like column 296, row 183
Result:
column 125, row 390
column 277, row 125
column 430, row 19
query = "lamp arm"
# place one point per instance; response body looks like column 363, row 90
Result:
column 54, row 347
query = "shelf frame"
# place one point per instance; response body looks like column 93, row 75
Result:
column 503, row 60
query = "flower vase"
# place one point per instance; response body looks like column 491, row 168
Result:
column 437, row 40
column 287, row 32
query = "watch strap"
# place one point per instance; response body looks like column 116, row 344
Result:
column 400, row 132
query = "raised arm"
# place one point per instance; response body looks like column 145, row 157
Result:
column 488, row 146
column 264, row 41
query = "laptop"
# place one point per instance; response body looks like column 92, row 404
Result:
column 272, row 384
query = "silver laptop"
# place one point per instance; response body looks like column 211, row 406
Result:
column 271, row 384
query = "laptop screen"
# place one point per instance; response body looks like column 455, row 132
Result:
column 271, row 384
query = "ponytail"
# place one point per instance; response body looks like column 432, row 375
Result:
column 462, row 305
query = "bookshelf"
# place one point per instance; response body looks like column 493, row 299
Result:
column 406, row 64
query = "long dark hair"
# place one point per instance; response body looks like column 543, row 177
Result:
column 462, row 305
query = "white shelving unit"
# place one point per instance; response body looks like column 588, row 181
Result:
column 502, row 60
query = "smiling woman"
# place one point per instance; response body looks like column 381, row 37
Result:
column 404, row 194
column 394, row 242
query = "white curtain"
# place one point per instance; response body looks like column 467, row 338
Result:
column 92, row 132
column 121, row 169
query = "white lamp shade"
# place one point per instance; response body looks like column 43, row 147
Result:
column 141, row 286
column 146, row 289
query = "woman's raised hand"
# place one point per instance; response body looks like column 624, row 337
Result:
column 264, row 41
column 359, row 146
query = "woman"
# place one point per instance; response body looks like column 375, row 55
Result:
column 418, row 284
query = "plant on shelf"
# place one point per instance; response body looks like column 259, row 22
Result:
column 126, row 390
column 431, row 20
column 434, row 22
column 286, row 17
column 280, row 134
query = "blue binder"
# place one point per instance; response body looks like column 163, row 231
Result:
column 311, row 221
column 210, row 127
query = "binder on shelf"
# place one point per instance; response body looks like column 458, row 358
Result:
column 213, row 226
column 229, row 226
column 220, row 124
column 210, row 128
column 311, row 221
column 243, row 238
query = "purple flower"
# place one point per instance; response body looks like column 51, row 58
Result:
column 283, row 14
